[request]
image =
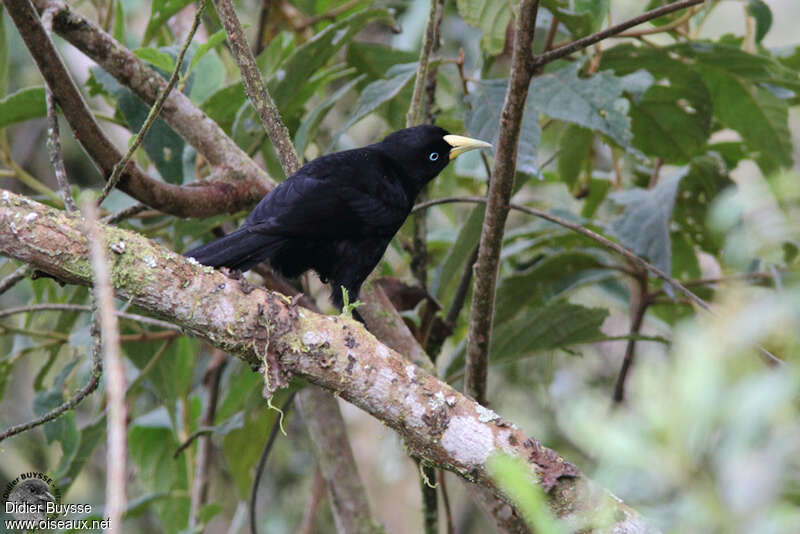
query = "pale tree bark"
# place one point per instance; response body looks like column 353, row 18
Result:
column 437, row 422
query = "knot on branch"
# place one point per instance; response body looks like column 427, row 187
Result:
column 550, row 465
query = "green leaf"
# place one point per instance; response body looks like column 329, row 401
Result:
column 63, row 428
column 155, row 57
column 171, row 375
column 760, row 11
column 595, row 103
column 549, row 278
column 151, row 446
column 491, row 17
column 308, row 128
column 307, row 59
column 374, row 59
column 671, row 119
column 447, row 274
column 578, row 21
column 482, row 121
column 214, row 41
column 574, row 150
column 377, row 93
column 685, row 265
column 163, row 146
column 644, row 225
column 4, row 56
column 161, row 12
column 21, row 106
column 118, row 31
column 89, row 437
column 706, row 178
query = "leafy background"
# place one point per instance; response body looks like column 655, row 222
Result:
column 683, row 150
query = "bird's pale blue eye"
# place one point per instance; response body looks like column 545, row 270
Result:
column 434, row 156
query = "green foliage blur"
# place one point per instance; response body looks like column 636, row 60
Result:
column 681, row 145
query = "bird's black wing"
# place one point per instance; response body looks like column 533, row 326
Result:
column 335, row 197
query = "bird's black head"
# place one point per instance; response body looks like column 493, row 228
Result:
column 424, row 151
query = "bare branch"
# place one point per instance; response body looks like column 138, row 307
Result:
column 9, row 281
column 83, row 308
column 639, row 305
column 589, row 40
column 326, row 427
column 500, row 187
column 114, row 370
column 256, row 90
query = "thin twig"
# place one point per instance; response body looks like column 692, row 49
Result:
column 660, row 29
column 84, row 308
column 263, row 17
column 448, row 513
column 256, row 90
column 154, row 110
column 262, row 461
column 639, row 304
column 589, row 40
column 414, row 115
column 85, row 391
column 212, row 381
column 500, row 189
column 9, row 281
column 551, row 34
column 114, row 370
column 53, row 140
column 127, row 213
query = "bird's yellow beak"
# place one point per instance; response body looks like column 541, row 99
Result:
column 462, row 144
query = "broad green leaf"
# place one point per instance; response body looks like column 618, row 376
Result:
column 163, row 146
column 214, row 41
column 155, row 57
column 4, row 55
column 63, row 428
column 171, row 375
column 307, row 59
column 223, row 105
column 449, row 271
column 21, row 106
column 89, row 437
column 308, row 128
column 761, row 12
column 240, row 386
column 374, row 59
column 492, row 17
column 242, row 447
column 377, row 93
column 595, row 103
column 684, row 258
column 557, row 325
column 573, row 152
column 761, row 118
column 119, row 22
column 151, row 448
column 161, row 12
column 671, row 119
column 482, row 121
column 707, row 177
column 579, row 17
column 644, row 225
column 548, row 279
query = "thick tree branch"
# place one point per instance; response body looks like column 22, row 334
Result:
column 438, row 423
column 562, row 51
column 326, row 427
column 500, row 188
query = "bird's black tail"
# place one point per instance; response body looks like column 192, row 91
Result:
column 240, row 250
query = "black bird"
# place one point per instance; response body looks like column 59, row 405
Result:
column 338, row 213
